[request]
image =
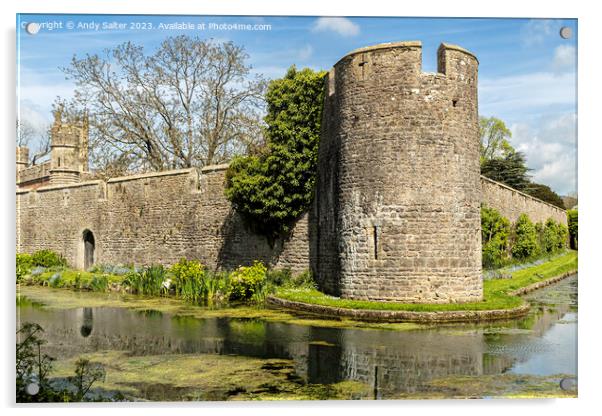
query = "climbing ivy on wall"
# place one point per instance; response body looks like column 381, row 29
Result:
column 271, row 190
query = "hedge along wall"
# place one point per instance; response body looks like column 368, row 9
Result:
column 511, row 203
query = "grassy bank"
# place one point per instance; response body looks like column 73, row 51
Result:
column 496, row 293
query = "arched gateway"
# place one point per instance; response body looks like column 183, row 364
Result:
column 89, row 246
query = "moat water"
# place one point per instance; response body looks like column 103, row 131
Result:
column 391, row 362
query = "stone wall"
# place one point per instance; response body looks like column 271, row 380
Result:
column 151, row 218
column 160, row 217
column 511, row 203
column 34, row 176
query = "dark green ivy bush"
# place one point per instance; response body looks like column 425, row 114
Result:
column 272, row 189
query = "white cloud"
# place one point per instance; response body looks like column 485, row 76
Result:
column 42, row 87
column 526, row 93
column 535, row 31
column 550, row 146
column 565, row 57
column 306, row 52
column 340, row 25
column 38, row 118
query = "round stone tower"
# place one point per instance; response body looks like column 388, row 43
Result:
column 397, row 207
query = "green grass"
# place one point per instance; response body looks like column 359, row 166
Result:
column 495, row 292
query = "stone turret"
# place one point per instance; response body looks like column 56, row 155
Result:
column 398, row 188
column 69, row 150
column 22, row 157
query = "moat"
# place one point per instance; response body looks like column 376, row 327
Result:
column 189, row 353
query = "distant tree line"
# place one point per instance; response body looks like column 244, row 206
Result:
column 502, row 163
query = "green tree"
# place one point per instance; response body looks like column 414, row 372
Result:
column 525, row 238
column 511, row 170
column 573, row 222
column 494, row 139
column 272, row 189
column 545, row 193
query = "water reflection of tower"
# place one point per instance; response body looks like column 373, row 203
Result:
column 87, row 325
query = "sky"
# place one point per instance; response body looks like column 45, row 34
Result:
column 527, row 71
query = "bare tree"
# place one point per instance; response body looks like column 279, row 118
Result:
column 191, row 103
column 28, row 136
column 25, row 133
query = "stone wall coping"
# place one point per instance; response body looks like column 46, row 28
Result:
column 534, row 286
column 522, row 193
column 458, row 48
column 187, row 171
column 391, row 316
column 386, row 45
column 215, row 168
column 64, row 186
column 174, row 172
column 378, row 315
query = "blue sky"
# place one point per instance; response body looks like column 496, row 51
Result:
column 527, row 72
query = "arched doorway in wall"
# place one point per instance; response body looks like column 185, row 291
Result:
column 89, row 246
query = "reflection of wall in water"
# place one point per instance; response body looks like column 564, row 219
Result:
column 321, row 355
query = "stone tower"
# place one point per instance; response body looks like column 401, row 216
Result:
column 69, row 150
column 22, row 158
column 397, row 207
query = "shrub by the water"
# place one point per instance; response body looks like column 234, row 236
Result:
column 55, row 280
column 99, row 283
column 495, row 230
column 554, row 236
column 189, row 280
column 23, row 265
column 279, row 277
column 47, row 258
column 247, row 281
column 148, row 281
column 524, row 244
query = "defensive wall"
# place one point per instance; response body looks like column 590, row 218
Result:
column 511, row 203
column 161, row 217
column 148, row 219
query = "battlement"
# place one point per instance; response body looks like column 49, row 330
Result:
column 405, row 60
column 412, row 44
column 34, row 173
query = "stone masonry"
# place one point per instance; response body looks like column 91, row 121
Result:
column 396, row 216
column 398, row 189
